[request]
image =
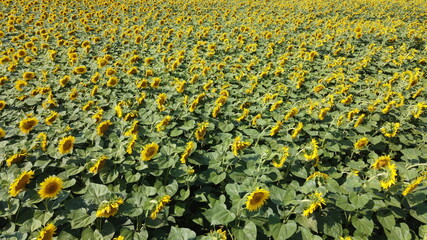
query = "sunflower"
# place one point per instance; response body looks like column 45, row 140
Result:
column 297, row 130
column 274, row 130
column 20, row 84
column 257, row 199
column 98, row 165
column 20, row 182
column 162, row 124
column 361, row 143
column 188, row 149
column 390, row 180
column 43, row 140
column 2, row 133
column 47, row 232
column 255, row 119
column 201, row 131
column 66, row 144
column 285, row 155
column 414, row 184
column 112, row 81
column 120, row 237
column 103, row 127
column 131, row 143
column 63, row 81
column 28, row 75
column 50, row 187
column 110, row 72
column 2, row 104
column 133, row 129
column 323, row 112
column 381, row 162
column 149, row 151
column 294, row 111
column 26, row 125
column 16, row 158
column 53, row 116
column 238, row 145
column 314, row 151
column 80, row 70
column 165, row 200
column 317, row 201
column 109, row 208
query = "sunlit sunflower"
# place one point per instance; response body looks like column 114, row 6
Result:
column 109, row 208
column 2, row 104
column 2, row 133
column 27, row 124
column 66, row 144
column 165, row 200
column 317, row 201
column 238, row 145
column 257, row 199
column 201, row 131
column 28, row 75
column 113, row 81
column 98, row 165
column 20, row 182
column 47, row 232
column 381, row 162
column 279, row 163
column 414, row 184
column 188, row 150
column 361, row 143
column 16, row 158
column 149, row 151
column 50, row 187
column 103, row 127
column 80, row 70
column 390, row 178
column 120, row 237
column 53, row 116
column 131, row 143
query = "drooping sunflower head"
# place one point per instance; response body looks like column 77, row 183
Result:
column 112, row 81
column 149, row 151
column 20, row 182
column 103, row 127
column 26, row 125
column 50, row 187
column 257, row 199
column 66, row 144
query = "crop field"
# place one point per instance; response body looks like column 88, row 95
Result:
column 176, row 120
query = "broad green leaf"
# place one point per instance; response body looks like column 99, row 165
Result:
column 284, row 231
column 181, row 234
column 219, row 214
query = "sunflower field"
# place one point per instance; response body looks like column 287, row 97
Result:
column 202, row 119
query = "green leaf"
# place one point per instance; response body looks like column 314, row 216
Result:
column 284, row 231
column 225, row 127
column 181, row 234
column 219, row 214
column 108, row 230
column 215, row 178
column 175, row 132
column 364, row 225
column 359, row 201
column 248, row 232
column 89, row 234
column 42, row 216
column 401, row 233
column 79, row 218
column 386, row 219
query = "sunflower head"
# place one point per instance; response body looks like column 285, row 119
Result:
column 149, row 151
column 20, row 182
column 28, row 75
column 80, row 70
column 381, row 162
column 361, row 143
column 66, row 144
column 47, row 232
column 50, row 187
column 2, row 104
column 26, row 125
column 257, row 199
